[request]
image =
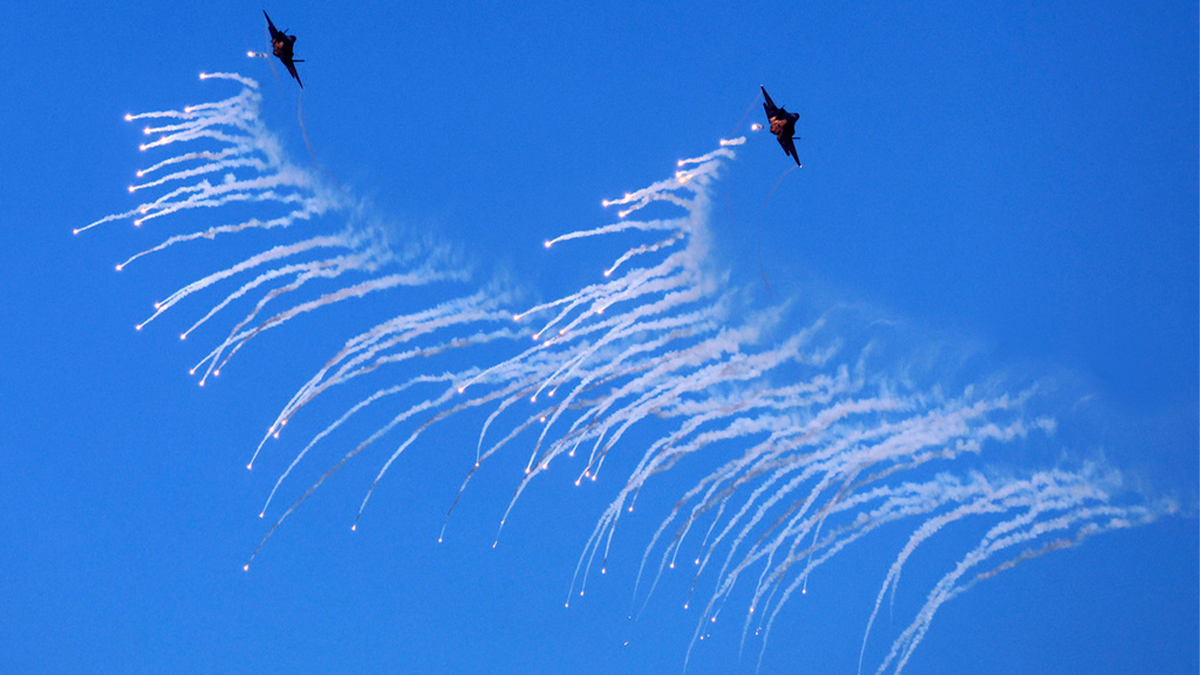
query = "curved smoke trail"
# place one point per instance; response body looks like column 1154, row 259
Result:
column 812, row 444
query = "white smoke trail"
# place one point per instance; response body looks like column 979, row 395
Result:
column 813, row 444
column 240, row 161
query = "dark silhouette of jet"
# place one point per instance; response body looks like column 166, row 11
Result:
column 283, row 44
column 783, row 125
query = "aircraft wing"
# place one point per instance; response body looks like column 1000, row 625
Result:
column 789, row 148
column 292, row 69
column 769, row 106
column 271, row 27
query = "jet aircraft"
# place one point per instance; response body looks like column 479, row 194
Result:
column 783, row 125
column 283, row 44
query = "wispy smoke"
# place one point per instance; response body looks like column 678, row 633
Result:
column 813, row 443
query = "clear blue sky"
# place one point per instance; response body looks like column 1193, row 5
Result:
column 1012, row 181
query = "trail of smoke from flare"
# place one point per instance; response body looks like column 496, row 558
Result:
column 825, row 444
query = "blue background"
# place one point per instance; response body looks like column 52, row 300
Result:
column 1021, row 177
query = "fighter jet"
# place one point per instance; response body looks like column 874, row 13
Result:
column 283, row 44
column 783, row 125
